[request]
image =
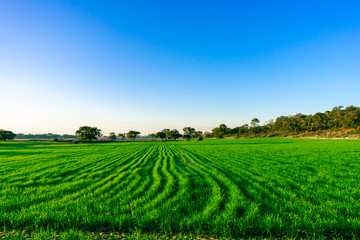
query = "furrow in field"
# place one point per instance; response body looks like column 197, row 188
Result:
column 134, row 191
column 263, row 176
column 287, row 184
column 172, row 191
column 235, row 169
column 260, row 191
column 51, row 169
column 199, row 195
column 256, row 198
column 60, row 205
column 80, row 189
column 153, row 186
column 217, row 194
column 106, row 181
column 162, row 192
column 236, row 203
column 58, row 174
column 121, row 175
column 117, row 161
column 174, row 208
column 121, row 186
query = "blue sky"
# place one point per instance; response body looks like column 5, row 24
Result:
column 149, row 65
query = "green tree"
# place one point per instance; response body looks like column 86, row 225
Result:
column 221, row 131
column 255, row 126
column 160, row 135
column 112, row 136
column 198, row 135
column 336, row 115
column 255, row 122
column 224, row 129
column 88, row 133
column 352, row 117
column 167, row 132
column 174, row 134
column 208, row 134
column 242, row 130
column 122, row 136
column 5, row 135
column 216, row 132
column 188, row 132
column 132, row 134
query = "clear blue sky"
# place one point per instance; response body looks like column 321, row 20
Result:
column 149, row 65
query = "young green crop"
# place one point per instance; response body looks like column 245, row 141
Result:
column 294, row 188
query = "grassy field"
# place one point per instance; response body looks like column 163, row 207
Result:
column 284, row 188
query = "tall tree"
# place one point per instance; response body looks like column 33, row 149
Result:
column 216, row 132
column 336, row 115
column 132, row 134
column 167, row 132
column 255, row 122
column 220, row 131
column 160, row 135
column 224, row 129
column 242, row 130
column 174, row 134
column 188, row 132
column 198, row 135
column 88, row 133
column 5, row 135
column 112, row 136
column 122, row 136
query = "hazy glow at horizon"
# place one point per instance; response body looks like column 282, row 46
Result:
column 120, row 67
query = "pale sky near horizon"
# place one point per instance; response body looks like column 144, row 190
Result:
column 146, row 66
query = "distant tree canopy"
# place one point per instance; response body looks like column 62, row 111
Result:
column 255, row 122
column 188, row 133
column 174, row 134
column 112, row 136
column 167, row 132
column 6, row 135
column 88, row 133
column 132, row 134
column 160, row 135
column 122, row 136
column 198, row 135
column 220, row 131
column 338, row 118
column 44, row 136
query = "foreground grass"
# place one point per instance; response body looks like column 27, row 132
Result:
column 273, row 188
column 76, row 234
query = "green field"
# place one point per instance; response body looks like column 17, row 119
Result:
column 291, row 188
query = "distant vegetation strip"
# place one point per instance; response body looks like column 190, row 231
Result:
column 339, row 122
column 48, row 136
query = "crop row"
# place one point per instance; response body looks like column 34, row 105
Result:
column 236, row 188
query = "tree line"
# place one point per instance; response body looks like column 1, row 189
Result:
column 6, row 135
column 91, row 133
column 336, row 119
column 44, row 136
